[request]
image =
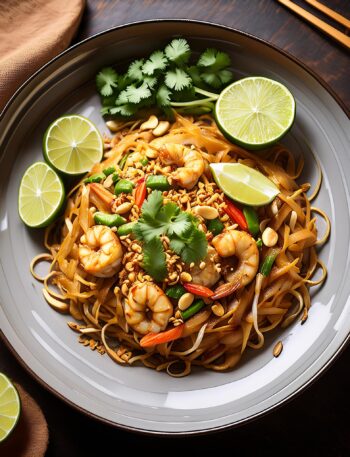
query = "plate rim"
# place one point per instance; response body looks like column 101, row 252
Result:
column 254, row 416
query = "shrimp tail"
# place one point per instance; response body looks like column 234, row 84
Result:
column 227, row 289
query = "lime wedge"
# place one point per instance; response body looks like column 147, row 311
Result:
column 255, row 112
column 10, row 407
column 41, row 195
column 72, row 145
column 244, row 184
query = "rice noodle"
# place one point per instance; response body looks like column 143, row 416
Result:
column 211, row 341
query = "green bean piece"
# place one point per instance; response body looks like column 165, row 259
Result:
column 125, row 229
column 123, row 160
column 108, row 171
column 268, row 262
column 252, row 220
column 196, row 306
column 111, row 220
column 97, row 177
column 157, row 182
column 175, row 291
column 215, row 226
column 144, row 161
column 115, row 177
column 123, row 186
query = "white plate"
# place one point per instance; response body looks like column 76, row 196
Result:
column 136, row 397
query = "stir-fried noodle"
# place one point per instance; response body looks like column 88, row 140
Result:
column 97, row 276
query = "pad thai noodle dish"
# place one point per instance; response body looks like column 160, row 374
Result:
column 159, row 266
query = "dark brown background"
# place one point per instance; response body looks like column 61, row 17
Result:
column 317, row 422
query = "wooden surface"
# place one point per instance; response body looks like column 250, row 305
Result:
column 317, row 422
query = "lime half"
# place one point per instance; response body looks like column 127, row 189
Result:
column 244, row 184
column 41, row 195
column 72, row 145
column 255, row 112
column 10, row 407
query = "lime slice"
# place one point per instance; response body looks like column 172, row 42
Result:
column 41, row 195
column 72, row 145
column 255, row 112
column 10, row 407
column 244, row 184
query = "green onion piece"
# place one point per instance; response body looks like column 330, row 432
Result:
column 157, row 182
column 144, row 161
column 259, row 243
column 123, row 160
column 215, row 226
column 123, row 186
column 97, row 177
column 115, row 177
column 175, row 291
column 111, row 220
column 125, row 229
column 196, row 306
column 252, row 220
column 108, row 171
column 268, row 262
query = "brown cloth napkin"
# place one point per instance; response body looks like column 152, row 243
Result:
column 31, row 435
column 31, row 33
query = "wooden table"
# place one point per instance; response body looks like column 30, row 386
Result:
column 316, row 422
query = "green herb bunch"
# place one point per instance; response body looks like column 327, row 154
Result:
column 166, row 79
column 181, row 228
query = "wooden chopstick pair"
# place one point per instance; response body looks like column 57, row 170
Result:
column 322, row 25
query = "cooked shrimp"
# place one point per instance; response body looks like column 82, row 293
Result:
column 100, row 251
column 208, row 275
column 243, row 246
column 190, row 162
column 147, row 308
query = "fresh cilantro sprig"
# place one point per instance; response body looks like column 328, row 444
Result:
column 154, row 259
column 181, row 228
column 167, row 79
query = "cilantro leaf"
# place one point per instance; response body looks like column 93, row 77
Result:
column 178, row 51
column 154, row 259
column 192, row 249
column 107, row 104
column 151, row 81
column 123, row 82
column 136, row 94
column 152, row 205
column 226, row 76
column 196, row 249
column 122, row 98
column 157, row 61
column 217, row 79
column 177, row 245
column 177, row 79
column 167, row 212
column 195, row 74
column 106, row 81
column 146, row 231
column 214, row 59
column 135, row 70
column 173, row 220
column 127, row 109
column 163, row 96
column 180, row 225
column 213, row 64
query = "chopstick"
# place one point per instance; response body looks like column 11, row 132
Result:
column 334, row 15
column 326, row 28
